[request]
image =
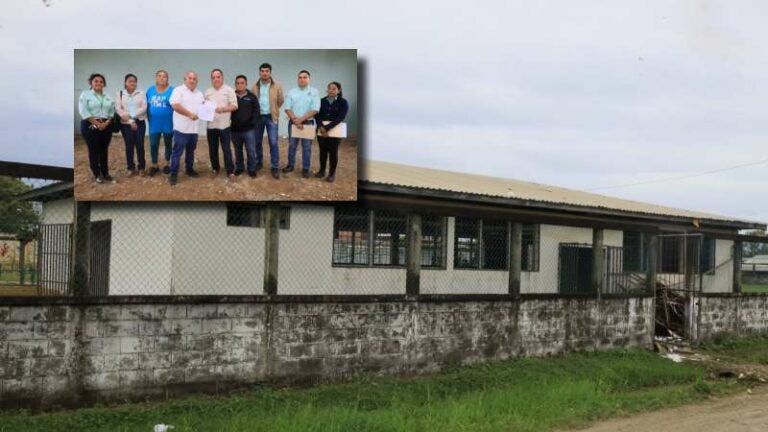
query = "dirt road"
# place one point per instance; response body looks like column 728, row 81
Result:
column 739, row 413
column 290, row 187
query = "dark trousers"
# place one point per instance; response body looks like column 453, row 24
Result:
column 154, row 145
column 183, row 143
column 216, row 138
column 98, row 148
column 134, row 144
column 329, row 149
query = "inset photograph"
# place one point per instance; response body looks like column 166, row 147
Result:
column 215, row 125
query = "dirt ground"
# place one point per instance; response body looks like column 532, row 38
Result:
column 740, row 413
column 290, row 187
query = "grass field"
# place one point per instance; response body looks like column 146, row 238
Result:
column 752, row 349
column 754, row 288
column 515, row 395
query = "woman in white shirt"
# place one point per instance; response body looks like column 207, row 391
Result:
column 131, row 106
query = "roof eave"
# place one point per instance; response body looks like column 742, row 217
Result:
column 369, row 186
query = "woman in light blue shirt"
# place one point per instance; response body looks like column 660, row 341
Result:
column 96, row 110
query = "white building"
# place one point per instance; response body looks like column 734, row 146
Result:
column 218, row 248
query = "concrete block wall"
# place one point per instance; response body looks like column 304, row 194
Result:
column 73, row 355
column 732, row 313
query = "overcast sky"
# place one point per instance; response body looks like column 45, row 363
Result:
column 580, row 94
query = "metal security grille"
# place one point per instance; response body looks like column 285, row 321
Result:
column 680, row 264
column 55, row 248
column 575, row 269
column 530, row 252
column 433, row 232
column 101, row 238
column 389, row 238
column 619, row 279
column 351, row 239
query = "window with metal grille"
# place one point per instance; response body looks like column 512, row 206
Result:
column 351, row 236
column 432, row 241
column 481, row 244
column 467, row 247
column 633, row 256
column 530, row 252
column 254, row 216
column 671, row 254
column 495, row 244
column 708, row 255
column 389, row 238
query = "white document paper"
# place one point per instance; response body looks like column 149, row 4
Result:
column 340, row 131
column 207, row 110
column 308, row 132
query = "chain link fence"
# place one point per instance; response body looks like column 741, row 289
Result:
column 753, row 261
column 218, row 248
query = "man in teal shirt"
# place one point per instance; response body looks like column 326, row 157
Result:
column 301, row 105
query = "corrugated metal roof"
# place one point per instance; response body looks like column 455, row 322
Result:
column 387, row 173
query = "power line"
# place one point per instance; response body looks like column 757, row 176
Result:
column 685, row 176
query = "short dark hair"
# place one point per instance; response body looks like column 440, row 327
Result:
column 266, row 66
column 96, row 75
column 305, row 71
column 163, row 71
column 129, row 75
column 217, row 69
column 338, row 86
column 241, row 76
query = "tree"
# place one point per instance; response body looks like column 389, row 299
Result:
column 17, row 218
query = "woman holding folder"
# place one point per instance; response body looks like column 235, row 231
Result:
column 333, row 110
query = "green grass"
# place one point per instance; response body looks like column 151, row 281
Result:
column 516, row 395
column 750, row 349
column 754, row 288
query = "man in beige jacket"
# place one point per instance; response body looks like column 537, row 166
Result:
column 270, row 94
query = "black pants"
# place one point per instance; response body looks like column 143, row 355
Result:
column 98, row 148
column 134, row 144
column 216, row 138
column 329, row 149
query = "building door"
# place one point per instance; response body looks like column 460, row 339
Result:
column 575, row 269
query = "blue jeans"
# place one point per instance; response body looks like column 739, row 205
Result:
column 183, row 143
column 265, row 122
column 154, row 145
column 306, row 149
column 247, row 139
column 134, row 143
column 216, row 137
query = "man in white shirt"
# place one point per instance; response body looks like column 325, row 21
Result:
column 218, row 131
column 185, row 101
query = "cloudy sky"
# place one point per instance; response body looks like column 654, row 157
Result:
column 586, row 95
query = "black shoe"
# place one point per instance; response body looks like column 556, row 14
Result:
column 152, row 171
column 275, row 173
column 166, row 169
column 320, row 174
column 259, row 166
column 172, row 180
column 109, row 178
column 252, row 173
column 305, row 173
column 193, row 173
column 238, row 172
column 331, row 178
column 99, row 179
column 288, row 168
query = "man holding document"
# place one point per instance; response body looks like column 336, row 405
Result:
column 301, row 105
column 185, row 100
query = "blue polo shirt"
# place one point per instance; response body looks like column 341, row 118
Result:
column 301, row 101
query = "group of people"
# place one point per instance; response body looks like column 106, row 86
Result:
column 241, row 117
